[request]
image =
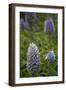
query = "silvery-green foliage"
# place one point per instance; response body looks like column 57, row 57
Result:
column 33, row 63
column 49, row 26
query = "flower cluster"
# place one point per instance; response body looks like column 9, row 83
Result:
column 49, row 26
column 23, row 23
column 33, row 63
column 50, row 56
column 28, row 19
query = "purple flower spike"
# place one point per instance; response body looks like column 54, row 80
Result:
column 31, row 17
column 50, row 56
column 23, row 23
column 33, row 63
column 49, row 26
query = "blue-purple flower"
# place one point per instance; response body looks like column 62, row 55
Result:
column 30, row 17
column 49, row 25
column 23, row 23
column 33, row 63
column 50, row 56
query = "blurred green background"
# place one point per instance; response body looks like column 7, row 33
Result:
column 35, row 33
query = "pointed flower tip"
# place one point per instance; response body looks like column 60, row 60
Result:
column 33, row 45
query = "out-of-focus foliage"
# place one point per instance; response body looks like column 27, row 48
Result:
column 44, row 41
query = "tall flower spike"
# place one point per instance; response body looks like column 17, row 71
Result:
column 49, row 26
column 50, row 56
column 31, row 17
column 33, row 63
column 23, row 23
